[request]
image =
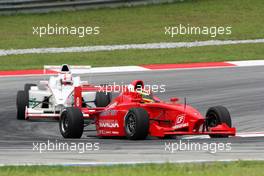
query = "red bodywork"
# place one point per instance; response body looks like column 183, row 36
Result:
column 166, row 118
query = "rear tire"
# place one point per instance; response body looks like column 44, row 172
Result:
column 71, row 123
column 21, row 103
column 102, row 99
column 218, row 115
column 137, row 124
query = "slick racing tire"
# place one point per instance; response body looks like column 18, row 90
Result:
column 26, row 90
column 137, row 124
column 217, row 115
column 71, row 123
column 21, row 102
column 102, row 99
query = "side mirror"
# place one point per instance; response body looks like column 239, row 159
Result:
column 174, row 99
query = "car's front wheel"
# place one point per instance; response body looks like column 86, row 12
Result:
column 21, row 103
column 218, row 115
column 71, row 123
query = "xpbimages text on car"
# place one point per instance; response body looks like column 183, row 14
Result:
column 135, row 113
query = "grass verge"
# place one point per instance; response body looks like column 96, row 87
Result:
column 136, row 57
column 142, row 24
column 240, row 168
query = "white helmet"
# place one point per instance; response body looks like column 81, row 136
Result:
column 65, row 75
column 66, row 78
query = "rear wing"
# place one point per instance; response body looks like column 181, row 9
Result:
column 74, row 69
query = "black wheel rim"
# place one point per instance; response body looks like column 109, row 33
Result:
column 212, row 120
column 131, row 124
column 65, row 122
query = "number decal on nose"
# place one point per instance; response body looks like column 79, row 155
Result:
column 180, row 119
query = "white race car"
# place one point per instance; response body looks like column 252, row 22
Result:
column 50, row 98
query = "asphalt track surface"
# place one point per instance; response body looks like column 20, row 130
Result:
column 240, row 89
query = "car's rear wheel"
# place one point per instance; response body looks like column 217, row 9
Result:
column 137, row 124
column 102, row 99
column 21, row 102
column 218, row 115
column 71, row 123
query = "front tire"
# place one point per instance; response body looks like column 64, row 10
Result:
column 137, row 124
column 218, row 115
column 21, row 103
column 71, row 123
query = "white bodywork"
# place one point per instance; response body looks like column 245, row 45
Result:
column 50, row 97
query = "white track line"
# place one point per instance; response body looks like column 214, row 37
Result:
column 141, row 68
column 242, row 134
column 127, row 46
column 127, row 163
column 247, row 63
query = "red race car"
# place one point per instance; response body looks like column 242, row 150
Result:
column 137, row 114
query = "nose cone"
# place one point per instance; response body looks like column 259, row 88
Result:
column 186, row 109
column 192, row 112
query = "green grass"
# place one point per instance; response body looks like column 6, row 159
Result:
column 138, row 24
column 241, row 168
column 136, row 57
column 142, row 24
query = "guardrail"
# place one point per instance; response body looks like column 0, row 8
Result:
column 45, row 6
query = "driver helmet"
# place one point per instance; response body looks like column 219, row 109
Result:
column 66, row 78
column 147, row 96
